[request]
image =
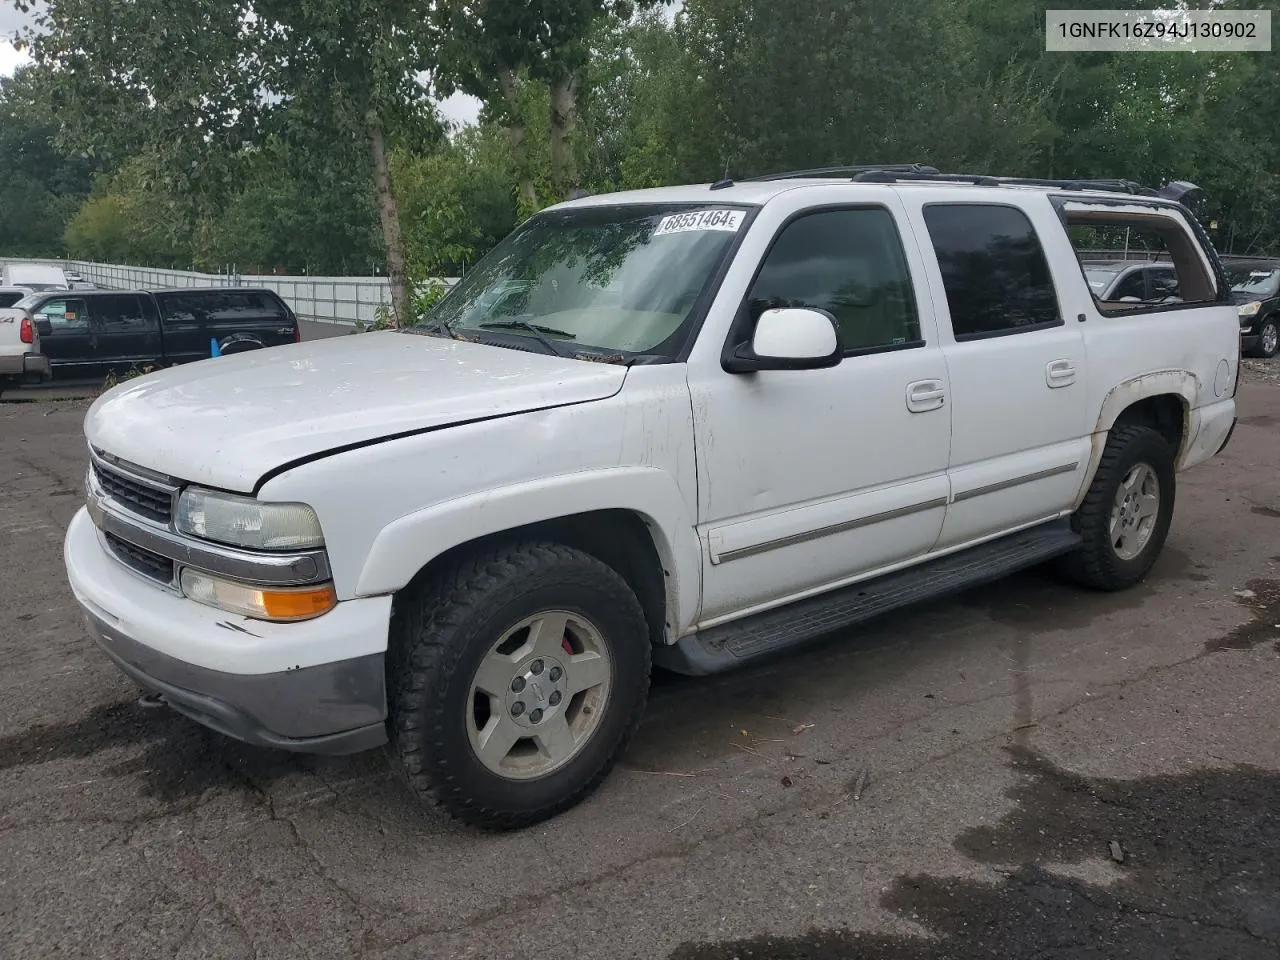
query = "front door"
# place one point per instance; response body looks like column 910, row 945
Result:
column 66, row 337
column 810, row 478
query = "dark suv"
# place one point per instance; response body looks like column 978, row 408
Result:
column 1255, row 287
column 89, row 333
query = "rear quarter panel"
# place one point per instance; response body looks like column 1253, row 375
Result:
column 1192, row 350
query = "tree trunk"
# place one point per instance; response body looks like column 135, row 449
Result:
column 389, row 215
column 515, row 136
column 564, row 118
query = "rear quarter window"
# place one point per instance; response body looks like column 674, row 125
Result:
column 221, row 306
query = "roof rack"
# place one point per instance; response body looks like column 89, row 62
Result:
column 850, row 170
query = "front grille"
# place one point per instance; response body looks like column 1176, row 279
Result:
column 141, row 561
column 144, row 500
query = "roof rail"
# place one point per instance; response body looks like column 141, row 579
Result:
column 849, row 170
column 881, row 175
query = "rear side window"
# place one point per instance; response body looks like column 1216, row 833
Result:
column 9, row 299
column 119, row 312
column 222, row 306
column 993, row 269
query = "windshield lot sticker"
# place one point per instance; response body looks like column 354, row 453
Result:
column 727, row 220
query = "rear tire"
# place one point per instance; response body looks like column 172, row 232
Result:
column 516, row 680
column 1126, row 514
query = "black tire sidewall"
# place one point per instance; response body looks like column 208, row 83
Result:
column 1140, row 446
column 577, row 585
column 1261, row 351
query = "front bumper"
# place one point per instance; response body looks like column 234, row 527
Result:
column 316, row 686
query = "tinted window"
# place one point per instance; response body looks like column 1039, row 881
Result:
column 1161, row 284
column 119, row 313
column 9, row 299
column 226, row 306
column 1131, row 286
column 64, row 316
column 993, row 269
column 849, row 263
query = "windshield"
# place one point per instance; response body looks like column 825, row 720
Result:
column 1264, row 281
column 619, row 280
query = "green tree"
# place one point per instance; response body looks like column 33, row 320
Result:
column 41, row 187
column 217, row 76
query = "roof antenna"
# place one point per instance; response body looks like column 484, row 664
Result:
column 724, row 181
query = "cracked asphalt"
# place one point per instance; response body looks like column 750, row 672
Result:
column 1027, row 770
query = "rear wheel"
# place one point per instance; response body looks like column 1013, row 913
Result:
column 517, row 679
column 1126, row 514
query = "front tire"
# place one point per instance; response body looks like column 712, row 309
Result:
column 517, row 679
column 1268, row 340
column 1126, row 514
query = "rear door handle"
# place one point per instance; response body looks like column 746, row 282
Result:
column 1060, row 373
column 925, row 395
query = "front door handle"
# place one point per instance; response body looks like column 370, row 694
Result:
column 926, row 395
column 1060, row 373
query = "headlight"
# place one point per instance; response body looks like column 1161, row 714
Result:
column 1250, row 309
column 249, row 523
column 262, row 603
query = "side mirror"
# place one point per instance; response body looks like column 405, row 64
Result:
column 44, row 328
column 792, row 338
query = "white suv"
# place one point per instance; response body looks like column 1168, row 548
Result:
column 695, row 426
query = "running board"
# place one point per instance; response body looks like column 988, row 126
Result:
column 763, row 634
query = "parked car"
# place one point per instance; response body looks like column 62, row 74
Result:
column 1132, row 281
column 11, row 295
column 1255, row 284
column 21, row 361
column 89, row 333
column 33, row 276
column 717, row 423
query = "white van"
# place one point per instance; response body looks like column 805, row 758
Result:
column 33, row 276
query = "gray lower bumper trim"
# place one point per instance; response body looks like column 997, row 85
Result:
column 333, row 708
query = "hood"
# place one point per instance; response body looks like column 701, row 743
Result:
column 1242, row 296
column 226, row 421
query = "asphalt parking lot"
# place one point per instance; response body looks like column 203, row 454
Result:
column 1026, row 771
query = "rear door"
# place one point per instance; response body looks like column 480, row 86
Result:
column 1015, row 355
column 66, row 337
column 128, row 334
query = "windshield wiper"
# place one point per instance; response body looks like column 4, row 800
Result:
column 543, row 334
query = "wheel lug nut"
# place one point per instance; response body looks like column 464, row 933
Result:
column 555, row 674
column 536, row 667
column 517, row 684
column 535, row 715
column 517, row 708
column 554, row 699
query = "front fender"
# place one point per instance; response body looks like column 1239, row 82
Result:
column 409, row 543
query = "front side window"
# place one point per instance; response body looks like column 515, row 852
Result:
column 616, row 281
column 1131, row 285
column 993, row 269
column 64, row 316
column 849, row 263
